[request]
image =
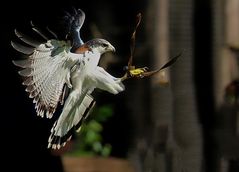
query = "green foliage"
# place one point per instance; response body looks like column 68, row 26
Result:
column 89, row 141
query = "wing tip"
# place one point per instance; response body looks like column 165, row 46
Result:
column 21, row 48
column 15, row 63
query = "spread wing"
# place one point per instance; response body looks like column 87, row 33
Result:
column 46, row 71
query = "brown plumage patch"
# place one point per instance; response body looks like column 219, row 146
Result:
column 82, row 49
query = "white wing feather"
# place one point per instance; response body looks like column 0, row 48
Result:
column 45, row 73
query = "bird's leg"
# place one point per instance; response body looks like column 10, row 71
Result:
column 124, row 77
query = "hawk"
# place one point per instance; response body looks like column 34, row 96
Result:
column 53, row 67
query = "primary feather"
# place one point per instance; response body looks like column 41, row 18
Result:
column 45, row 74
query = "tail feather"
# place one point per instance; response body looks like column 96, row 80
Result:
column 60, row 134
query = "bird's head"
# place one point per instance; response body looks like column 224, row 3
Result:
column 100, row 45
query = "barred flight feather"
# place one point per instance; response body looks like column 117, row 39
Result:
column 43, row 74
column 26, row 39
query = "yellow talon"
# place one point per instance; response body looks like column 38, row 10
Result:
column 134, row 73
column 137, row 72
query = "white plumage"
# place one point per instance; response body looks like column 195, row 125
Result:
column 51, row 68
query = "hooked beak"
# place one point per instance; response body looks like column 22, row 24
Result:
column 111, row 48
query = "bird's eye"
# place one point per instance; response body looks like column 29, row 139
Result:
column 105, row 45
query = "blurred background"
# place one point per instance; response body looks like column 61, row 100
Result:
column 184, row 119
